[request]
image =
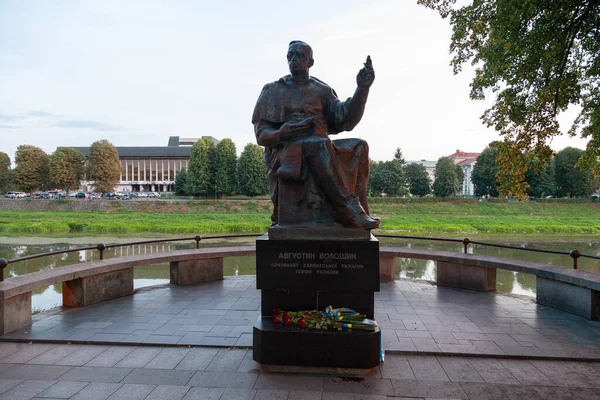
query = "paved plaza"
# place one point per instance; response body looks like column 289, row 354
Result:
column 192, row 342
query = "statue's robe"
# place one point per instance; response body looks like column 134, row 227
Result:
column 284, row 101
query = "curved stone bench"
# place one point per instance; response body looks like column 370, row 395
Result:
column 92, row 282
column 570, row 290
column 574, row 291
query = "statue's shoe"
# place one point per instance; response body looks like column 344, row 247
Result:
column 360, row 220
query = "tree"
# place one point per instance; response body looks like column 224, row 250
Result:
column 446, row 181
column 460, row 176
column 385, row 178
column 105, row 166
column 484, row 172
column 541, row 179
column 67, row 168
column 180, row 183
column 5, row 172
column 32, row 170
column 571, row 181
column 419, row 183
column 389, row 177
column 536, row 58
column 226, row 160
column 200, row 181
column 252, row 171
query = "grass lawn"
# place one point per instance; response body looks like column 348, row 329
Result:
column 424, row 217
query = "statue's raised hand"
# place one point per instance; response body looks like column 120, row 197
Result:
column 366, row 75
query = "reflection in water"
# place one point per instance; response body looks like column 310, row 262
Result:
column 507, row 281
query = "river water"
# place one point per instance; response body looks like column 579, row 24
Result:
column 507, row 281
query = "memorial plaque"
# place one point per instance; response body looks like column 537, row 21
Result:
column 349, row 266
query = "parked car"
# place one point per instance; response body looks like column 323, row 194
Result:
column 80, row 195
column 10, row 195
column 142, row 195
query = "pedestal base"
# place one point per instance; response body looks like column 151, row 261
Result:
column 277, row 344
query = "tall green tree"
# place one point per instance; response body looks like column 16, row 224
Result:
column 105, row 166
column 460, row 176
column 536, row 58
column 484, row 173
column 572, row 181
column 32, row 170
column 5, row 172
column 200, row 174
column 225, row 163
column 541, row 179
column 446, row 183
column 389, row 176
column 180, row 183
column 252, row 171
column 419, row 183
column 385, row 177
column 67, row 168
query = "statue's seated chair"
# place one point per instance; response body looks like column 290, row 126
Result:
column 302, row 202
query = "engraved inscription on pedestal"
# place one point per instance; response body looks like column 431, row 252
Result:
column 307, row 264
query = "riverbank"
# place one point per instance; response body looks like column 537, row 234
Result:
column 461, row 216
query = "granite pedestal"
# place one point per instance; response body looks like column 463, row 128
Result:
column 311, row 273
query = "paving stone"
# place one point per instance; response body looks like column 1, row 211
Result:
column 168, row 358
column 159, row 377
column 288, row 382
column 110, row 356
column 459, row 369
column 226, row 360
column 27, row 353
column 162, row 339
column 271, row 395
column 223, row 379
column 492, row 371
column 306, row 395
column 561, row 374
column 168, row 392
column 63, row 390
column 361, row 386
column 26, row 390
column 396, row 367
column 95, row 374
column 55, row 354
column 97, row 391
column 526, row 372
column 500, row 392
column 428, row 389
column 197, row 359
column 132, row 392
column 82, row 356
column 245, row 340
column 139, row 357
column 427, row 368
column 32, row 371
column 200, row 393
column 6, row 384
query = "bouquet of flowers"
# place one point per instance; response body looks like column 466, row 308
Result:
column 338, row 318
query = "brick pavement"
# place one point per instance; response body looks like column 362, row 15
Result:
column 415, row 317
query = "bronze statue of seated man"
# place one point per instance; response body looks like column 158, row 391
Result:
column 293, row 119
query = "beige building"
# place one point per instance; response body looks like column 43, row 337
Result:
column 150, row 169
column 466, row 161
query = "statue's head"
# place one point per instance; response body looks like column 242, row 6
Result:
column 299, row 56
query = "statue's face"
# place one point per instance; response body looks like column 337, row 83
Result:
column 299, row 58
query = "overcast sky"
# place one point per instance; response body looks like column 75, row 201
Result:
column 137, row 72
